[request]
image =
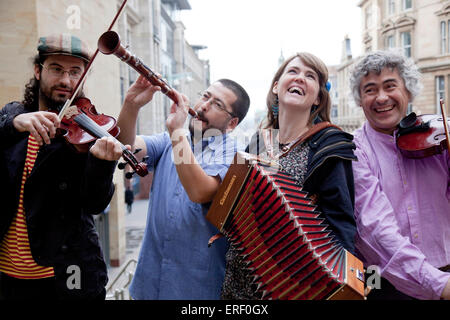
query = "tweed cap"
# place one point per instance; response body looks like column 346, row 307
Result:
column 65, row 44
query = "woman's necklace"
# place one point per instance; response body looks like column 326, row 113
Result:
column 284, row 147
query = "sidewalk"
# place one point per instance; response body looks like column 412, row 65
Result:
column 134, row 227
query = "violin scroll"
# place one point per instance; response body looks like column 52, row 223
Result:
column 138, row 167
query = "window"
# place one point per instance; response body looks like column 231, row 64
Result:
column 334, row 111
column 448, row 33
column 440, row 92
column 406, row 43
column 407, row 4
column 390, row 7
column 443, row 37
column 390, row 42
column 409, row 109
column 122, row 89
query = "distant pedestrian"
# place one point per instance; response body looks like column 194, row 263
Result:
column 129, row 198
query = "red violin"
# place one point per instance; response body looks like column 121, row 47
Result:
column 422, row 136
column 82, row 124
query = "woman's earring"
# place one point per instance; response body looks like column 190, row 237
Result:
column 275, row 108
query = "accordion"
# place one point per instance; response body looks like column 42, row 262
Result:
column 284, row 241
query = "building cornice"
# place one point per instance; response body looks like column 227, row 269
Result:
column 431, row 67
column 445, row 10
column 401, row 22
column 361, row 3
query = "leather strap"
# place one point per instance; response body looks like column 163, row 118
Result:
column 314, row 129
column 267, row 135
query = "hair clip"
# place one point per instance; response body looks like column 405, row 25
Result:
column 328, row 86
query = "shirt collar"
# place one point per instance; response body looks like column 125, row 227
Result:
column 379, row 135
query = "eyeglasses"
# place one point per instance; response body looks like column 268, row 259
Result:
column 208, row 98
column 57, row 71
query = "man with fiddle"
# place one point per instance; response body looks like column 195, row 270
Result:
column 402, row 207
column 49, row 248
column 175, row 261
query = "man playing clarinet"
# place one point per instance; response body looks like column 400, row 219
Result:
column 175, row 261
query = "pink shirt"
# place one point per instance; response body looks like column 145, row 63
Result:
column 402, row 213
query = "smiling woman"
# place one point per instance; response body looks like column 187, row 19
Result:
column 321, row 163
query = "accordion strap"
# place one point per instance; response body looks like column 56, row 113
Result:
column 267, row 136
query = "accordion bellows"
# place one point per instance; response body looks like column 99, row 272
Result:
column 280, row 235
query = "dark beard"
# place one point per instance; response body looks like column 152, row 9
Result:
column 54, row 105
column 51, row 104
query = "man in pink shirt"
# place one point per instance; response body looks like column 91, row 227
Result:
column 402, row 207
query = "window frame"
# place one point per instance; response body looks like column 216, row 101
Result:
column 402, row 43
column 439, row 92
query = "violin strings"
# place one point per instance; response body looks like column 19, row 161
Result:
column 93, row 128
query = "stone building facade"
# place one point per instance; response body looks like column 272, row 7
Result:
column 420, row 29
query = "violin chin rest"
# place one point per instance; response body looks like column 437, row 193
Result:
column 408, row 121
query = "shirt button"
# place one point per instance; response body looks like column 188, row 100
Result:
column 409, row 208
column 416, row 235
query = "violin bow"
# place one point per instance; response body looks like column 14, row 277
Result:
column 83, row 76
column 444, row 116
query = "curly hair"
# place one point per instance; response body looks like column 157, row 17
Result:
column 31, row 96
column 376, row 61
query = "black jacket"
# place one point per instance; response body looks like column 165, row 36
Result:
column 329, row 177
column 63, row 191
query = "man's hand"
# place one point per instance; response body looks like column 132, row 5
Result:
column 107, row 149
column 446, row 292
column 41, row 125
column 178, row 113
column 140, row 93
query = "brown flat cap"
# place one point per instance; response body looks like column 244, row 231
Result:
column 65, row 44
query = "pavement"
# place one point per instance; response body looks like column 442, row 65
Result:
column 119, row 277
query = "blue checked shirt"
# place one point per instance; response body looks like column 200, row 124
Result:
column 175, row 261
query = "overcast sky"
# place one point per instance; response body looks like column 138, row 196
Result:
column 245, row 37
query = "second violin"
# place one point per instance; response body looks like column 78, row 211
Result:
column 422, row 136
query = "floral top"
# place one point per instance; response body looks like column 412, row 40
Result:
column 238, row 283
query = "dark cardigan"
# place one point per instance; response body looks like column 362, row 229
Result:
column 62, row 192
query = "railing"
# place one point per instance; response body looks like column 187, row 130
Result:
column 118, row 289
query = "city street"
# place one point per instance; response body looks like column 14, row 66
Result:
column 135, row 227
